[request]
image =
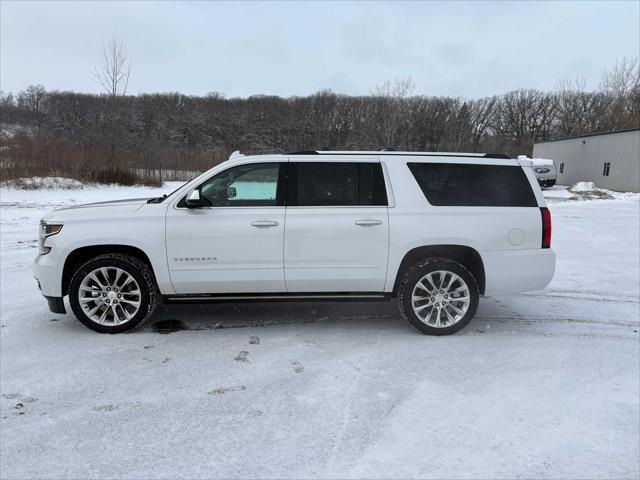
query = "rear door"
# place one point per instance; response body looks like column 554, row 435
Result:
column 337, row 226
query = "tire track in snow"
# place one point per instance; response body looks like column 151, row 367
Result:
column 552, row 319
column 583, row 295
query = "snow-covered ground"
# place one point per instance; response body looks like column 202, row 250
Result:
column 544, row 384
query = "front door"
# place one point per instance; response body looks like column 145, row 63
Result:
column 337, row 227
column 235, row 243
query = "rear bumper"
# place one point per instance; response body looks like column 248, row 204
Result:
column 518, row 270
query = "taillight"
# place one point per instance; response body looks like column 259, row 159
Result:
column 546, row 227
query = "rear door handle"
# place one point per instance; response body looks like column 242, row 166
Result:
column 368, row 223
column 265, row 223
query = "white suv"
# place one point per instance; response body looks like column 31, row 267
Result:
column 435, row 230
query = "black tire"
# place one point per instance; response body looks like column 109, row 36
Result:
column 415, row 273
column 142, row 274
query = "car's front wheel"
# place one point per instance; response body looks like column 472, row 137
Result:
column 113, row 293
column 438, row 296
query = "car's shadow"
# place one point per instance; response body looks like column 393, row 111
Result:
column 170, row 318
column 174, row 317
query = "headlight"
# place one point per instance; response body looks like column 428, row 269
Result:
column 47, row 230
column 541, row 170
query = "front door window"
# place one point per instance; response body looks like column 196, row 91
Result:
column 251, row 185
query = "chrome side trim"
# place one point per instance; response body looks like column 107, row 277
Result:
column 204, row 298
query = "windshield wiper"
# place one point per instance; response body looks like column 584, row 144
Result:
column 163, row 197
column 157, row 199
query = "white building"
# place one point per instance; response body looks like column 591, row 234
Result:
column 610, row 160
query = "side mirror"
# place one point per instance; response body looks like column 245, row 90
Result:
column 194, row 200
column 231, row 192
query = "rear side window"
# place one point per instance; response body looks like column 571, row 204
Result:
column 468, row 185
column 313, row 184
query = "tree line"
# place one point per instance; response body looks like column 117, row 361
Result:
column 115, row 137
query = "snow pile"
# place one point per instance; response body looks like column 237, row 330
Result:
column 624, row 195
column 35, row 183
column 10, row 130
column 589, row 191
column 558, row 193
column 584, row 187
column 585, row 191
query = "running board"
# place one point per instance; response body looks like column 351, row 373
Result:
column 301, row 297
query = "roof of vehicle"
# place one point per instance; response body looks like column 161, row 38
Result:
column 400, row 153
column 536, row 162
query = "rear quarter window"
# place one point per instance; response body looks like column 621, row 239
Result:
column 469, row 185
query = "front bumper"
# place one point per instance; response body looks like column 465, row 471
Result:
column 47, row 270
column 56, row 303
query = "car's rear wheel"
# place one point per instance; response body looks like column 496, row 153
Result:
column 113, row 293
column 438, row 296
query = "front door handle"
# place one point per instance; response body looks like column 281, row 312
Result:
column 265, row 223
column 368, row 223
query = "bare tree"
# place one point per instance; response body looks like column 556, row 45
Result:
column 524, row 116
column 33, row 101
column 113, row 75
column 578, row 110
column 114, row 71
column 481, row 117
column 392, row 108
column 623, row 78
column 622, row 85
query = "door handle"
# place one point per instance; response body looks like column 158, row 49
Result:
column 368, row 223
column 265, row 223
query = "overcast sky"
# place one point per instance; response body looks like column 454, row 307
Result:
column 240, row 49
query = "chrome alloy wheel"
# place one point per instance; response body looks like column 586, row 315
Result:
column 440, row 299
column 109, row 296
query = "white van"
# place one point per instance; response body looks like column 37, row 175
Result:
column 544, row 169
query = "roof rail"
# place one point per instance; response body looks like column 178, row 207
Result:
column 391, row 149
